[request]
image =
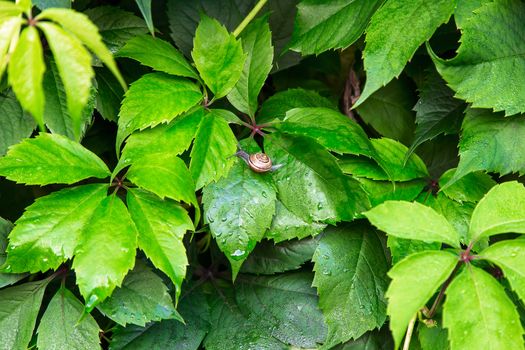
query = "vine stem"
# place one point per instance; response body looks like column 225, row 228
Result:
column 249, row 17
column 410, row 330
column 442, row 291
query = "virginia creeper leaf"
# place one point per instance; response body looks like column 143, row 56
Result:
column 277, row 105
column 9, row 31
column 218, row 56
column 161, row 226
column 74, row 65
column 484, row 57
column 49, row 230
column 6, row 279
column 509, row 255
column 286, row 304
column 350, row 277
column 169, row 334
column 345, row 20
column 239, row 209
column 173, row 138
column 109, row 96
column 214, row 146
column 458, row 214
column 413, row 221
column 395, row 32
column 286, row 225
column 56, row 114
column 470, row 188
column 84, row 30
column 437, row 111
column 465, row 10
column 230, row 328
column 472, row 322
column 19, row 307
column 310, row 183
column 115, row 25
column 16, row 124
column 269, row 258
column 488, row 142
column 145, row 9
column 400, row 248
column 51, row 158
column 64, row 326
column 382, row 191
column 330, row 129
column 500, row 211
column 257, row 44
column 159, row 55
column 414, row 280
column 432, row 337
column 45, row 4
column 143, row 297
column 389, row 111
column 106, row 251
column 166, row 175
column 26, row 72
column 154, row 99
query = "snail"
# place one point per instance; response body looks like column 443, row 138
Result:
column 258, row 162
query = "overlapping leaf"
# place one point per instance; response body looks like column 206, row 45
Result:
column 51, row 159
column 16, row 124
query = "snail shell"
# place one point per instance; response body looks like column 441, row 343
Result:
column 260, row 162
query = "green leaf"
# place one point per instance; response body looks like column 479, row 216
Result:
column 414, row 280
column 9, row 31
column 64, row 325
column 109, row 96
column 231, row 329
column 45, row 4
column 19, row 308
column 412, row 221
column 286, row 304
column 277, row 105
column 239, row 209
column 218, row 56
column 345, row 21
column 389, row 111
column 432, row 337
column 400, row 248
column 330, row 129
column 485, row 57
column 310, row 183
column 6, row 279
column 173, row 138
column 16, row 124
column 74, row 66
column 382, row 191
column 49, row 230
column 389, row 45
column 56, row 114
column 472, row 322
column 286, row 225
column 488, row 143
column 257, row 44
column 161, row 227
column 157, row 54
column 458, row 214
column 51, row 158
column 169, row 334
column 145, row 9
column 269, row 258
column 509, row 255
column 470, row 188
column 214, row 146
column 165, row 175
column 115, row 25
column 143, row 297
column 106, row 251
column 350, row 277
column 154, row 99
column 79, row 25
column 437, row 111
column 26, row 72
column 465, row 10
column 10, row 9
column 500, row 211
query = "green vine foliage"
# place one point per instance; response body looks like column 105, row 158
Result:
column 134, row 214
